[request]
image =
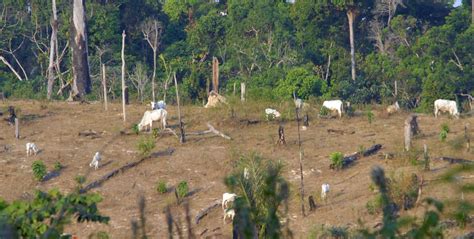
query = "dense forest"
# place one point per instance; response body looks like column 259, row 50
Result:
column 364, row 51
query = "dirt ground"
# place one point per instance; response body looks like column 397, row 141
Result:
column 204, row 161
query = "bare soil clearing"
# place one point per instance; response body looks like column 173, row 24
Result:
column 204, row 161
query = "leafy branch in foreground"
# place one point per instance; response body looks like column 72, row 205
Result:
column 47, row 214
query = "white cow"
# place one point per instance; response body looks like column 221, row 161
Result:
column 31, row 148
column 150, row 116
column 393, row 108
column 446, row 106
column 227, row 198
column 324, row 191
column 95, row 161
column 272, row 112
column 334, row 105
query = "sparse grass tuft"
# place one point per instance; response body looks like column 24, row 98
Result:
column 58, row 166
column 182, row 190
column 370, row 115
column 80, row 179
column 135, row 129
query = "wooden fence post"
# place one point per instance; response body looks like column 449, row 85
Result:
column 426, row 157
column 182, row 138
column 123, row 77
column 17, row 128
column 281, row 135
column 104, row 84
column 242, row 91
column 411, row 129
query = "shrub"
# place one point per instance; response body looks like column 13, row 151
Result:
column 445, row 127
column 337, row 159
column 80, row 179
column 324, row 111
column 146, row 145
column 39, row 169
column 443, row 135
column 58, row 166
column 303, row 82
column 370, row 115
column 135, row 129
column 161, row 187
column 155, row 132
column 182, row 190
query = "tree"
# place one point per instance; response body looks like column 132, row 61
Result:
column 52, row 49
column 81, row 84
column 152, row 32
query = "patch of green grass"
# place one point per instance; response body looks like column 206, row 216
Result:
column 161, row 187
column 80, row 179
column 445, row 127
column 182, row 190
column 370, row 115
column 135, row 129
column 324, row 111
column 58, row 166
column 374, row 206
column 39, row 170
column 146, row 145
column 336, row 160
column 443, row 135
column 155, row 132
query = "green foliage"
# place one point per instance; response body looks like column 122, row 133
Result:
column 337, row 160
column 39, row 170
column 182, row 190
column 262, row 197
column 374, row 206
column 146, row 145
column 48, row 213
column 135, row 129
column 301, row 81
column 370, row 115
column 155, row 132
column 58, row 166
column 161, row 187
column 324, row 111
column 443, row 135
column 445, row 127
column 80, row 179
column 99, row 235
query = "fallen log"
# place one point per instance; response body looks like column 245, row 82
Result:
column 349, row 159
column 87, row 133
column 206, row 211
column 249, row 121
column 339, row 131
column 122, row 169
column 455, row 160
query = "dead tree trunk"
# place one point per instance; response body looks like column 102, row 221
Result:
column 182, row 138
column 242, row 91
column 17, row 128
column 52, row 50
column 81, row 84
column 123, row 77
column 411, row 129
column 301, row 163
column 215, row 74
column 351, row 14
column 281, row 135
column 104, row 84
column 467, row 138
column 312, row 204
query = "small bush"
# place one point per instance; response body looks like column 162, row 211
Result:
column 374, row 206
column 161, row 187
column 39, row 169
column 370, row 115
column 135, row 129
column 443, row 135
column 324, row 111
column 182, row 190
column 146, row 145
column 58, row 166
column 155, row 133
column 80, row 179
column 336, row 160
column 445, row 127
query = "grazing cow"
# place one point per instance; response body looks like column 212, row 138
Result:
column 95, row 161
column 334, row 105
column 158, row 105
column 446, row 106
column 324, row 191
column 272, row 112
column 150, row 116
column 393, row 108
column 229, row 213
column 227, row 198
column 31, row 148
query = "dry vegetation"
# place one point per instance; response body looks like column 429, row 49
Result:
column 204, row 161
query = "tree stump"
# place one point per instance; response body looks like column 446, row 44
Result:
column 312, row 204
column 17, row 128
column 426, row 157
column 12, row 115
column 306, row 120
column 411, row 129
column 281, row 135
column 467, row 138
column 242, row 91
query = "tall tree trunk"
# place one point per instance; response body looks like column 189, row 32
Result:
column 154, row 75
column 351, row 16
column 104, row 84
column 123, row 78
column 80, row 63
column 52, row 50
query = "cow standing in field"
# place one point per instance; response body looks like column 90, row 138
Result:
column 446, row 106
column 334, row 105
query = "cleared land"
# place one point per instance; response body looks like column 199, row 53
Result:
column 204, row 161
